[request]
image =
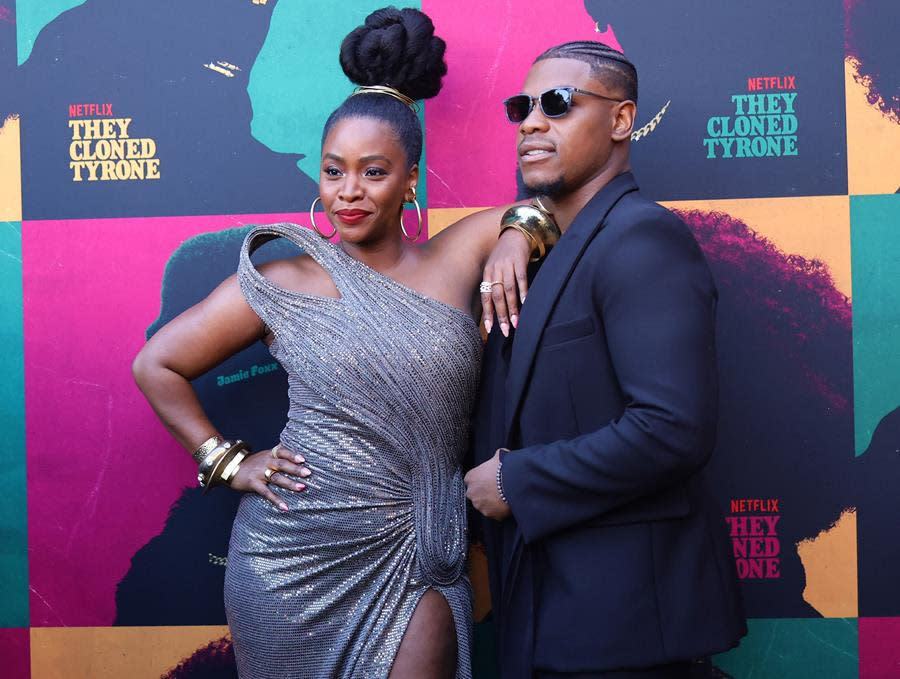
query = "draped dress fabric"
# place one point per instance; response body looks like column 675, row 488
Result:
column 381, row 381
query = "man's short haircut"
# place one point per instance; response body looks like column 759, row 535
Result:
column 609, row 66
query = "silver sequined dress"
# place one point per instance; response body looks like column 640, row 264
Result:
column 380, row 383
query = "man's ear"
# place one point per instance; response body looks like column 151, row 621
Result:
column 623, row 122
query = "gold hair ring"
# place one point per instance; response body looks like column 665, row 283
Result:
column 389, row 91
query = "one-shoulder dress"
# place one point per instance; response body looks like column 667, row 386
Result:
column 381, row 381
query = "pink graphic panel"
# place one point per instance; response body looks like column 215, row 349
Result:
column 14, row 653
column 879, row 648
column 102, row 471
column 471, row 146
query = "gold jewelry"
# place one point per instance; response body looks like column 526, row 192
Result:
column 232, row 469
column 486, row 286
column 415, row 202
column 649, row 127
column 536, row 223
column 221, row 465
column 206, row 448
column 389, row 91
column 206, row 466
column 275, row 450
column 269, row 473
column 312, row 218
column 217, row 475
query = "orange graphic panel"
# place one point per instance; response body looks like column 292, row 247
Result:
column 814, row 228
column 873, row 140
column 440, row 218
column 10, row 171
column 115, row 652
column 829, row 560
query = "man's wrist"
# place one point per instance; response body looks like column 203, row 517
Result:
column 501, row 453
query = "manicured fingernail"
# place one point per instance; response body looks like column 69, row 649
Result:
column 283, row 507
column 299, row 486
column 504, row 328
column 305, row 472
column 523, row 298
column 488, row 324
column 515, row 320
column 299, row 459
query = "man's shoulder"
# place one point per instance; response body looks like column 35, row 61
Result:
column 638, row 231
column 635, row 208
column 635, row 217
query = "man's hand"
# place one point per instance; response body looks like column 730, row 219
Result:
column 508, row 264
column 481, row 489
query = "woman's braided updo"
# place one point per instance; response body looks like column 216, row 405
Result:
column 397, row 48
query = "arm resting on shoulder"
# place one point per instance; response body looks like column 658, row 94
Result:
column 476, row 253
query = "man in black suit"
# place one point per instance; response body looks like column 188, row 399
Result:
column 607, row 558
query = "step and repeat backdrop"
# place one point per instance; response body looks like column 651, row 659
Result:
column 138, row 141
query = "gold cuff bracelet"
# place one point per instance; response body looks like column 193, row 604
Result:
column 536, row 223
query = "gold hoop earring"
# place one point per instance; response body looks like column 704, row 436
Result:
column 312, row 218
column 412, row 239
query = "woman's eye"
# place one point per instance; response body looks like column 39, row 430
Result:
column 375, row 172
column 332, row 172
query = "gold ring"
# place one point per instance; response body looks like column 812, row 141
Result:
column 275, row 450
column 269, row 474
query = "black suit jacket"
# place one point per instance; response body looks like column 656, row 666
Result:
column 607, row 397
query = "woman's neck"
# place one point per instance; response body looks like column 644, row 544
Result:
column 385, row 255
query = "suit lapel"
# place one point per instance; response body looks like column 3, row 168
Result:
column 548, row 285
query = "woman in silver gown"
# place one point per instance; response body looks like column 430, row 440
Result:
column 347, row 556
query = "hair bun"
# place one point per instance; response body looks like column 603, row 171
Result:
column 396, row 47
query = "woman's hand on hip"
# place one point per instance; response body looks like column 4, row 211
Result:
column 274, row 467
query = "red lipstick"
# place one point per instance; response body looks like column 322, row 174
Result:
column 352, row 216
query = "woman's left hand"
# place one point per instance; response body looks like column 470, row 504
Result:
column 259, row 471
column 507, row 273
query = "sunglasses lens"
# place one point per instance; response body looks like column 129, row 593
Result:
column 555, row 103
column 517, row 108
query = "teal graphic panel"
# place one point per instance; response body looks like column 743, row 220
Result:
column 795, row 648
column 875, row 247
column 13, row 529
column 32, row 16
column 297, row 82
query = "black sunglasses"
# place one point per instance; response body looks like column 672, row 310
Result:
column 554, row 103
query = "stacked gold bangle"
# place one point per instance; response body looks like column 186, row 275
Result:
column 218, row 461
column 534, row 222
